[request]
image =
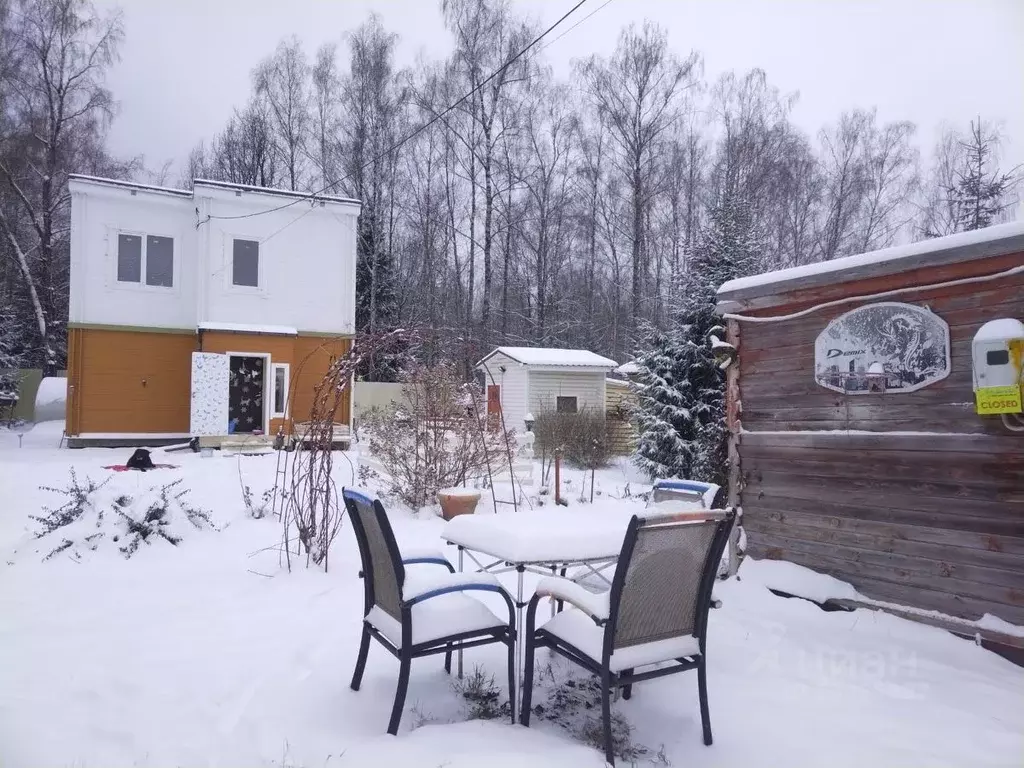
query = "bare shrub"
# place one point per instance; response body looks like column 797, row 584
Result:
column 313, row 508
column 436, row 439
column 579, row 436
column 483, row 696
column 575, row 705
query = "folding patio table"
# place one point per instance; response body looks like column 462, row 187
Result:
column 543, row 541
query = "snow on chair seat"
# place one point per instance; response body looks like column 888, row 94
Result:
column 577, row 629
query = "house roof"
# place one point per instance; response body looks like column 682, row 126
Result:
column 211, row 184
column 628, row 368
column 549, row 357
column 964, row 246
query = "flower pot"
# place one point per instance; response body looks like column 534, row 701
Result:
column 457, row 501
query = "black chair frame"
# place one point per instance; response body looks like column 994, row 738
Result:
column 626, row 678
column 408, row 650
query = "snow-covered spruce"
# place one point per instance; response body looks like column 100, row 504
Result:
column 116, row 514
column 680, row 385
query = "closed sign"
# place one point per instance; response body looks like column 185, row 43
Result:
column 995, row 400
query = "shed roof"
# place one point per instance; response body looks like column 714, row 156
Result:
column 964, row 246
column 549, row 357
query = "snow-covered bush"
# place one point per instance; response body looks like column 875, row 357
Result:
column 115, row 514
column 482, row 694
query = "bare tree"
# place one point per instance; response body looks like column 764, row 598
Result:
column 891, row 180
column 282, row 82
column 54, row 87
column 845, row 173
column 637, row 91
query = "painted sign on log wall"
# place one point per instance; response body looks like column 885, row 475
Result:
column 884, row 347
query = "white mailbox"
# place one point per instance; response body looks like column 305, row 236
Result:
column 997, row 353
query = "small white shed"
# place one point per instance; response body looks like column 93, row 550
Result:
column 533, row 380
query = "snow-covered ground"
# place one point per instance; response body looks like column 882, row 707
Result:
column 208, row 654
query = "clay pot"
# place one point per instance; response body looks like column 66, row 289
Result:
column 457, row 501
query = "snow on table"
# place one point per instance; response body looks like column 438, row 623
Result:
column 553, row 534
column 546, row 535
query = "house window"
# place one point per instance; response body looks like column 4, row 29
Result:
column 281, row 374
column 566, row 405
column 245, row 266
column 151, row 256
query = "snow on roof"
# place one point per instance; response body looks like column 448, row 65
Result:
column 550, row 357
column 887, row 260
column 281, row 330
column 272, row 191
column 1000, row 330
column 628, row 368
column 133, row 185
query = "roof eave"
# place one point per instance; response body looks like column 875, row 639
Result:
column 746, row 297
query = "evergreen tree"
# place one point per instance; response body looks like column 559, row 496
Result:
column 376, row 300
column 681, row 388
column 980, row 192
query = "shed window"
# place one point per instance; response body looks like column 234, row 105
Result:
column 998, row 357
column 152, row 256
column 245, row 266
column 566, row 405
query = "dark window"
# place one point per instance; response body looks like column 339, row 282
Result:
column 160, row 261
column 565, row 405
column 245, row 268
column 129, row 258
column 998, row 357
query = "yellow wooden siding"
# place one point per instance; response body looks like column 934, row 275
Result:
column 128, row 381
column 619, row 400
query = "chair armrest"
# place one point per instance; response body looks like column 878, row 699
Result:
column 593, row 604
column 414, row 555
column 448, row 583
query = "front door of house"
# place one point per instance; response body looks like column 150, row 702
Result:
column 246, row 388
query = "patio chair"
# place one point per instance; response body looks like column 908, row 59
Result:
column 655, row 613
column 412, row 614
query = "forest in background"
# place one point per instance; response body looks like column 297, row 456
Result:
column 535, row 210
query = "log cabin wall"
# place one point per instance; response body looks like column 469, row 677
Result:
column 912, row 497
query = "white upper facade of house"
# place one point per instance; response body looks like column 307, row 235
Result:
column 222, row 255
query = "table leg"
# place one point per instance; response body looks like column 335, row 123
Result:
column 460, row 644
column 520, row 636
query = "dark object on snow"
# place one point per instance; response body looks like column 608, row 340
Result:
column 140, row 460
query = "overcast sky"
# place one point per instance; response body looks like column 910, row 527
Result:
column 186, row 63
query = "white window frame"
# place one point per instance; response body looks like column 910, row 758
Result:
column 142, row 285
column 286, row 367
column 229, row 266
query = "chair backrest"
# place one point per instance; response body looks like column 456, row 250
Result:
column 383, row 572
column 663, row 580
column 681, row 489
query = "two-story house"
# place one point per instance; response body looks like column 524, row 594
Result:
column 205, row 312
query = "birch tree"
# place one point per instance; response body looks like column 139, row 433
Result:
column 58, row 108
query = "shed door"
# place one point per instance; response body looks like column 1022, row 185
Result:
column 209, row 411
column 493, row 405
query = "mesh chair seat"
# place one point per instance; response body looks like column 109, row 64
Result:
column 574, row 627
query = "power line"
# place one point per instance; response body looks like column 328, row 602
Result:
column 570, row 29
column 419, row 130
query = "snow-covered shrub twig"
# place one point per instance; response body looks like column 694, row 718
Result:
column 482, row 695
column 98, row 514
